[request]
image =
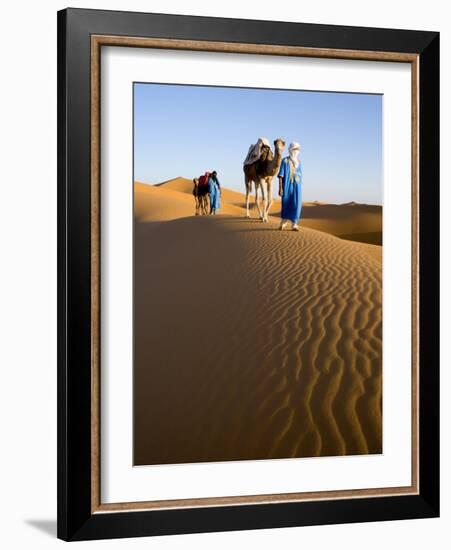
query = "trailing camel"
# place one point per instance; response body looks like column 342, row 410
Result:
column 200, row 193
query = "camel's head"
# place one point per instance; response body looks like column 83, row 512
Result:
column 196, row 182
column 279, row 145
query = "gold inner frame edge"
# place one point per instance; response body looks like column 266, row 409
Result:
column 97, row 41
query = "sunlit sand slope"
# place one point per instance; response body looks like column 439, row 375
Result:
column 350, row 221
column 252, row 343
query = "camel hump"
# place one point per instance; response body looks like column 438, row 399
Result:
column 255, row 151
column 250, row 154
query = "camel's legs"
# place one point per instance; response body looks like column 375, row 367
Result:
column 264, row 189
column 197, row 199
column 269, row 196
column 248, row 192
column 257, row 203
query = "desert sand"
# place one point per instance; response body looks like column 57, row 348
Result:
column 251, row 343
column 350, row 221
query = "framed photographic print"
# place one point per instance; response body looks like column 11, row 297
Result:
column 248, row 274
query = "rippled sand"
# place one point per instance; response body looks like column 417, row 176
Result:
column 252, row 343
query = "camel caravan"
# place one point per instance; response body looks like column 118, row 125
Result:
column 207, row 192
column 260, row 167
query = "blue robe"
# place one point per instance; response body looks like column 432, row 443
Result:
column 292, row 191
column 215, row 194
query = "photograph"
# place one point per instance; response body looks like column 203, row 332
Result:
column 257, row 273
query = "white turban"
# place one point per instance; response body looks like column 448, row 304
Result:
column 294, row 149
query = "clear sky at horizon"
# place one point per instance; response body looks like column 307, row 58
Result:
column 185, row 130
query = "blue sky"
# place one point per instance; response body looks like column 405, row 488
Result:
column 185, row 130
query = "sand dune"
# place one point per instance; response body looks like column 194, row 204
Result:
column 155, row 203
column 350, row 221
column 251, row 343
column 184, row 185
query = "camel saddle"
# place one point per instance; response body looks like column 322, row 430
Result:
column 255, row 151
column 203, row 180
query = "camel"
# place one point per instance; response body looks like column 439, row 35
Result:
column 250, row 174
column 261, row 173
column 200, row 193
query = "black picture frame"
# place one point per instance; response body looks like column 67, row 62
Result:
column 75, row 518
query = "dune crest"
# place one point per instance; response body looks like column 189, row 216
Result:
column 349, row 221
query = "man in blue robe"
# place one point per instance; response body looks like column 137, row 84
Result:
column 290, row 188
column 214, row 188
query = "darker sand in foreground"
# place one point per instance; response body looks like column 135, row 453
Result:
column 251, row 343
